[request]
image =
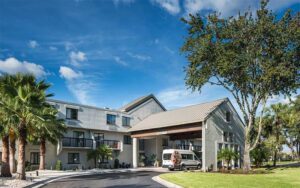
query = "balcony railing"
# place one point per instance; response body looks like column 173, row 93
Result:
column 77, row 142
column 187, row 147
column 113, row 144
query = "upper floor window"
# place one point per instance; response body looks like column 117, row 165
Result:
column 34, row 157
column 225, row 136
column 127, row 139
column 78, row 134
column 125, row 121
column 228, row 116
column 73, row 158
column 230, row 135
column 99, row 136
column 111, row 119
column 72, row 113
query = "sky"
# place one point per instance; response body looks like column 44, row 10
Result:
column 107, row 53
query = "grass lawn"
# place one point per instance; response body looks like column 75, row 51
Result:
column 280, row 177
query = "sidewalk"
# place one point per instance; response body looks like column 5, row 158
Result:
column 46, row 176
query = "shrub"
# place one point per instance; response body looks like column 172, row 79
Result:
column 58, row 165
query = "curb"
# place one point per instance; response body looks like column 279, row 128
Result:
column 165, row 183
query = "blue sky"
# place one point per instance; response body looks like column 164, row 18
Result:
column 107, row 53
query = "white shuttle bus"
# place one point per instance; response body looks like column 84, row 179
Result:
column 180, row 159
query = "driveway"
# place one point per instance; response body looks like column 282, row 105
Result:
column 109, row 180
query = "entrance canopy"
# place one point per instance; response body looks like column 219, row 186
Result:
column 174, row 131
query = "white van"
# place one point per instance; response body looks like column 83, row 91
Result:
column 180, row 159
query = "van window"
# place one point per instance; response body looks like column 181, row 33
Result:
column 187, row 156
column 167, row 157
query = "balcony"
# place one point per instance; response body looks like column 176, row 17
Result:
column 77, row 142
column 187, row 147
column 113, row 144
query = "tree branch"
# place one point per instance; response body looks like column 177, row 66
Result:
column 264, row 101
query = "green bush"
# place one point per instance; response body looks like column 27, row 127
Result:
column 58, row 165
column 28, row 166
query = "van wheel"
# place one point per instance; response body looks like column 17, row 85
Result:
column 171, row 169
column 183, row 167
column 199, row 166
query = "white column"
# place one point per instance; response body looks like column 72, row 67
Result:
column 203, row 146
column 135, row 152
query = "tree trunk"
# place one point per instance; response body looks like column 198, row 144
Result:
column 247, row 161
column 21, row 153
column 12, row 152
column 42, row 154
column 5, row 170
column 275, row 158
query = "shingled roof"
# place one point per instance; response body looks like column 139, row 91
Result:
column 128, row 107
column 185, row 115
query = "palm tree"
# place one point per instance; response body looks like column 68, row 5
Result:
column 4, row 129
column 104, row 152
column 93, row 154
column 5, row 169
column 274, row 128
column 12, row 150
column 227, row 155
column 48, row 129
column 23, row 96
column 101, row 153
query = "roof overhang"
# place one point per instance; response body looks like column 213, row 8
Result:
column 168, row 130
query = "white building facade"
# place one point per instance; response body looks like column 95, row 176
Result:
column 138, row 132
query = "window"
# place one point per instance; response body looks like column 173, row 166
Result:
column 78, row 134
column 125, row 121
column 167, row 156
column 34, row 158
column 99, row 136
column 187, row 156
column 228, row 116
column 127, row 139
column 73, row 158
column 141, row 144
column 111, row 119
column 72, row 113
column 230, row 137
column 225, row 136
column 165, row 142
column 220, row 147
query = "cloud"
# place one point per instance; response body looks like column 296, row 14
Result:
column 12, row 66
column 169, row 50
column 77, row 57
column 231, row 7
column 120, row 61
column 117, row 2
column 78, row 84
column 68, row 73
column 33, row 44
column 139, row 56
column 68, row 45
column 172, row 6
column 53, row 48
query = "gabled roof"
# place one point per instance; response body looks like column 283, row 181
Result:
column 130, row 106
column 185, row 115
